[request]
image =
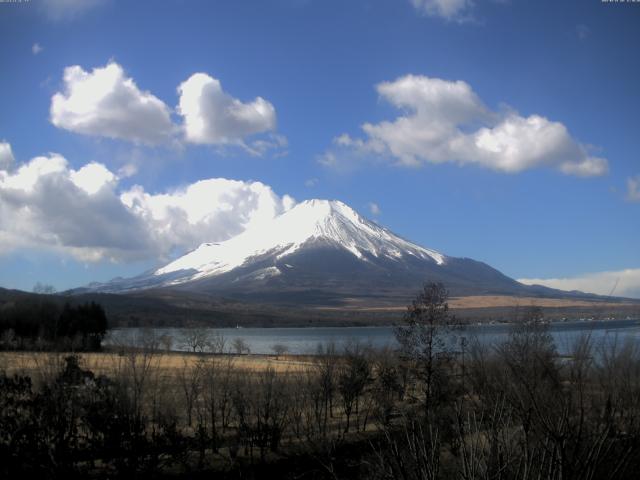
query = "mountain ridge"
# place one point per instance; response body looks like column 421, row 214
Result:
column 315, row 220
column 321, row 252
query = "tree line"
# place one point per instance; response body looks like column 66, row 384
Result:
column 43, row 324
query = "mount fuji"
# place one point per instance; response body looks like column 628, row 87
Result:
column 320, row 252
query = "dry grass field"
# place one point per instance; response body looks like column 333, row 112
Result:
column 168, row 364
column 491, row 301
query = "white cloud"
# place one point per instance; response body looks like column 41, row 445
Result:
column 46, row 204
column 633, row 188
column 27, row 176
column 447, row 9
column 374, row 208
column 60, row 10
column 92, row 178
column 445, row 121
column 212, row 116
column 104, row 102
column 209, row 210
column 36, row 48
column 622, row 283
column 6, row 156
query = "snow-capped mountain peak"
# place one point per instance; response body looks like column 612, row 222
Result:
column 311, row 222
column 319, row 252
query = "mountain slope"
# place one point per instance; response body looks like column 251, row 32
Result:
column 321, row 252
column 310, row 223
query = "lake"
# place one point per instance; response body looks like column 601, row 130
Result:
column 305, row 340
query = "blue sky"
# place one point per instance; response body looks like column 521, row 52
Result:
column 504, row 131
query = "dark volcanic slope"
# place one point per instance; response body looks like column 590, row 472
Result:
column 322, row 273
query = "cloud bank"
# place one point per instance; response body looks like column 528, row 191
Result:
column 622, row 283
column 445, row 121
column 46, row 204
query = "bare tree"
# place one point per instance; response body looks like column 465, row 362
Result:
column 354, row 376
column 217, row 383
column 326, row 378
column 423, row 339
column 298, row 404
column 411, row 452
column 270, row 407
column 166, row 342
column 389, row 386
column 190, row 380
column 279, row 349
column 216, row 343
column 196, row 339
column 240, row 346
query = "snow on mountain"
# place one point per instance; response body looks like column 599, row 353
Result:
column 312, row 221
column 319, row 253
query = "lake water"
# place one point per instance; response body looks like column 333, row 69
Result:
column 306, row 340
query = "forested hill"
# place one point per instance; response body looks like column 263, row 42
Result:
column 48, row 322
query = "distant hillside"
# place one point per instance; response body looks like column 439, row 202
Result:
column 165, row 307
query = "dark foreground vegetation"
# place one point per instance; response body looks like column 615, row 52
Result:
column 434, row 410
column 37, row 323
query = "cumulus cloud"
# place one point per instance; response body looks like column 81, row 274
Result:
column 212, row 116
column 6, row 156
column 446, row 121
column 208, row 210
column 92, row 178
column 447, row 9
column 47, row 204
column 61, row 10
column 105, row 102
column 622, row 283
column 633, row 187
column 36, row 48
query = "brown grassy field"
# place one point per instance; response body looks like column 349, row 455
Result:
column 108, row 363
column 491, row 301
column 488, row 301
